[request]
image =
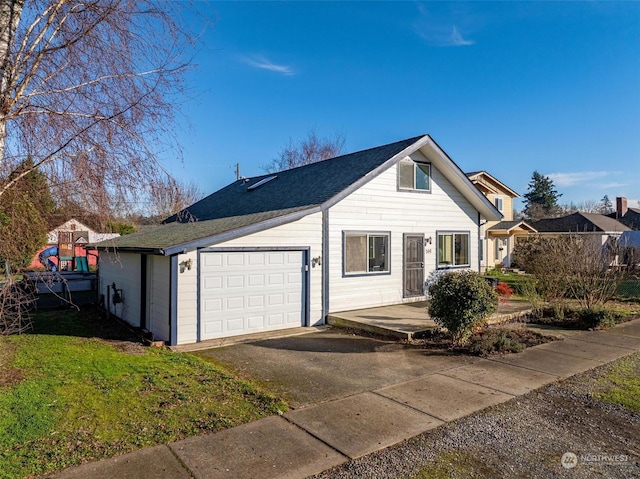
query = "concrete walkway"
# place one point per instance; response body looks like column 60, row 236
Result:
column 310, row 439
column 403, row 321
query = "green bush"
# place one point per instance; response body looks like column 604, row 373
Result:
column 494, row 341
column 593, row 318
column 461, row 301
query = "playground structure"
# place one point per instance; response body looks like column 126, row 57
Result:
column 69, row 254
column 69, row 276
column 66, row 248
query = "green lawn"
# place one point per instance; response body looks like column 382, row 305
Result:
column 621, row 385
column 78, row 389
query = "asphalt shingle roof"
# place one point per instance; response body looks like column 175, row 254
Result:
column 173, row 235
column 579, row 222
column 631, row 218
column 234, row 206
column 304, row 186
column 507, row 225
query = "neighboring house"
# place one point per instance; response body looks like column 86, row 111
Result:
column 71, row 239
column 599, row 227
column 627, row 212
column 630, row 244
column 498, row 238
column 286, row 249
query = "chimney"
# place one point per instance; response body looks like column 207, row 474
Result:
column 621, row 207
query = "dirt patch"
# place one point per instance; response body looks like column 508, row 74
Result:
column 127, row 347
column 8, row 375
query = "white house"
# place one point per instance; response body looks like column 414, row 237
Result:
column 286, row 249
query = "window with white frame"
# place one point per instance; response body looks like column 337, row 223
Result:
column 366, row 253
column 498, row 202
column 414, row 176
column 453, row 249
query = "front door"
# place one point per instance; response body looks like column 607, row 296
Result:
column 413, row 265
column 501, row 253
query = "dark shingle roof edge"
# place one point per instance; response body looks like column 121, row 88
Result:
column 580, row 223
column 174, row 238
column 303, row 186
column 507, row 225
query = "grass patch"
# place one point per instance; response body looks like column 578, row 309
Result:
column 447, row 465
column 518, row 282
column 621, row 385
column 82, row 390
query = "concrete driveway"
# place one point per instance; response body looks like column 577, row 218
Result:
column 325, row 365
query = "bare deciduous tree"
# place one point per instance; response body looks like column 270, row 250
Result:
column 575, row 266
column 310, row 149
column 586, row 206
column 170, row 196
column 87, row 91
column 16, row 300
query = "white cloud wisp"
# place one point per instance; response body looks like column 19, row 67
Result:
column 263, row 63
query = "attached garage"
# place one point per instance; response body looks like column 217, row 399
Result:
column 277, row 252
column 248, row 291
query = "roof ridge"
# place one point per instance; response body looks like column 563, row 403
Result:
column 357, row 152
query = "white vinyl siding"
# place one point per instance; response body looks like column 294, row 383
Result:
column 305, row 232
column 380, row 206
column 123, row 269
column 158, row 296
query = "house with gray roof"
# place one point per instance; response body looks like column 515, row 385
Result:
column 286, row 249
column 627, row 212
column 581, row 223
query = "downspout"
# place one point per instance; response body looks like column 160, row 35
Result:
column 479, row 242
column 173, row 300
column 325, row 265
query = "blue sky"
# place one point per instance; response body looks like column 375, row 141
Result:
column 507, row 87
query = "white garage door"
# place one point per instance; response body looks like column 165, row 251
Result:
column 247, row 292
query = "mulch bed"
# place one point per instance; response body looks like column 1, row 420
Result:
column 499, row 339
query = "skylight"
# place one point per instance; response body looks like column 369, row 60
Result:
column 262, row 182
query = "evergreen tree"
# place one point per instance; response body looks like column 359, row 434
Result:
column 24, row 214
column 606, row 205
column 541, row 198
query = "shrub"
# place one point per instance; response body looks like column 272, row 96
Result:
column 529, row 291
column 504, row 291
column 461, row 301
column 593, row 318
column 494, row 341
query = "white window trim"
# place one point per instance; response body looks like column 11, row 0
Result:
column 453, row 233
column 367, row 234
column 415, row 166
column 501, row 199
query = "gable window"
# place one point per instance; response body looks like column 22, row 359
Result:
column 453, row 249
column 365, row 253
column 497, row 201
column 414, row 176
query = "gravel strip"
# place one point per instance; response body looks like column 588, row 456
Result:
column 524, row 437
